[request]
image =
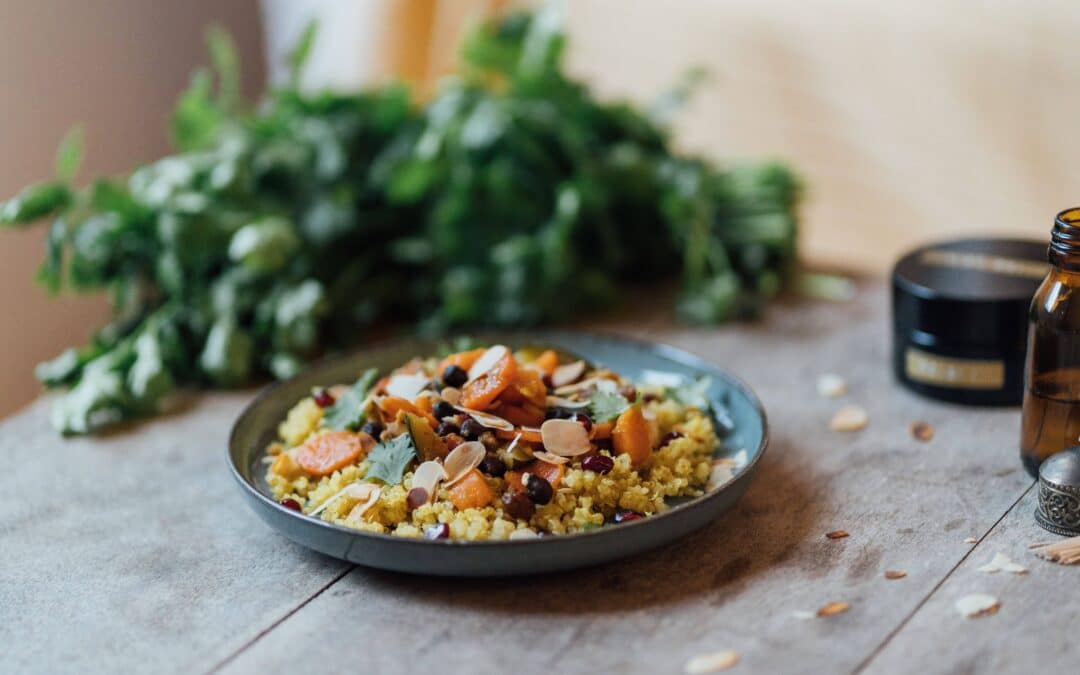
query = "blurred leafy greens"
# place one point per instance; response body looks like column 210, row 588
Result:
column 279, row 232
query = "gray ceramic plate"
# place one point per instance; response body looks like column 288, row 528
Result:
column 256, row 427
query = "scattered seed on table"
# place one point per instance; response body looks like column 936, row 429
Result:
column 1002, row 563
column 978, row 604
column 895, row 574
column 971, row 540
column 837, row 534
column 921, row 431
column 849, row 418
column 831, row 385
column 833, row 608
column 712, row 662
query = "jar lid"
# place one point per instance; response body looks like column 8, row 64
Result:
column 968, row 291
column 1059, row 493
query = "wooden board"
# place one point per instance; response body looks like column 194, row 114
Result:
column 135, row 549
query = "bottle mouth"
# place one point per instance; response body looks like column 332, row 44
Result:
column 1065, row 237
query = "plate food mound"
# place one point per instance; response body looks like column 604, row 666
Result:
column 493, row 443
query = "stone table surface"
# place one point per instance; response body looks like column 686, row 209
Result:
column 134, row 552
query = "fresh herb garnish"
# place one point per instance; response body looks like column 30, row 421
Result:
column 605, row 406
column 388, row 460
column 282, row 231
column 348, row 411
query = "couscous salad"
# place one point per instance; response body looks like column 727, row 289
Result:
column 490, row 443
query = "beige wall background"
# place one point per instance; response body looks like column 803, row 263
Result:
column 908, row 121
column 116, row 66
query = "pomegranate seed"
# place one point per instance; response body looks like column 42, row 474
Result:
column 622, row 516
column 599, row 463
column 291, row 503
column 517, row 505
column 416, row 498
column 323, row 398
column 582, row 419
column 437, row 531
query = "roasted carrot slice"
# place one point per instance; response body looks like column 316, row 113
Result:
column 521, row 416
column 602, row 430
column 529, row 385
column 326, row 453
column 463, row 360
column 471, row 492
column 547, row 362
column 552, row 473
column 530, row 435
column 631, row 435
column 424, row 403
column 513, row 481
column 392, row 405
column 481, row 392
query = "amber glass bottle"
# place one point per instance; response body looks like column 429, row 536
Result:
column 1051, row 417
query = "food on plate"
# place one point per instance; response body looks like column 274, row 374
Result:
column 492, row 443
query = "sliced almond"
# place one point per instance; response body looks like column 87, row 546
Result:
column 488, row 420
column 550, row 458
column 831, row 385
column 598, row 383
column 407, row 386
column 463, row 459
column 713, row 662
column 567, row 373
column 560, row 402
column 563, row 437
column 837, row 534
column 354, row 490
column 895, row 574
column 833, row 608
column 428, row 476
column 849, row 418
column 977, row 604
column 451, row 395
column 487, row 361
column 921, row 431
column 1002, row 563
column 360, row 509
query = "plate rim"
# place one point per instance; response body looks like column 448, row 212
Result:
column 663, row 349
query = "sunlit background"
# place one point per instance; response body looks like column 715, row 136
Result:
column 908, row 121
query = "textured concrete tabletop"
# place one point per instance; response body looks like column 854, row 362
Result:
column 134, row 552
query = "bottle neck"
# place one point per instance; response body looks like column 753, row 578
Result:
column 1064, row 252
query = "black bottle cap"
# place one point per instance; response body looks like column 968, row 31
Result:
column 961, row 305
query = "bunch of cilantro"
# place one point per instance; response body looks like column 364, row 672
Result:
column 279, row 232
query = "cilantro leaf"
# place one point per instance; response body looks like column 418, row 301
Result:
column 348, row 411
column 692, row 394
column 607, row 405
column 388, row 460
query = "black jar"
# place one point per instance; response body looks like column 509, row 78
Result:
column 960, row 318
